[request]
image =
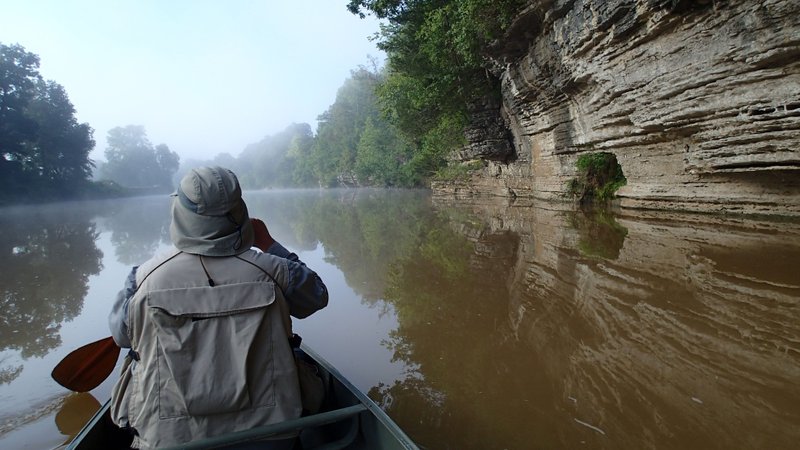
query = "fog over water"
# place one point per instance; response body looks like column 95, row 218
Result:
column 203, row 77
column 473, row 324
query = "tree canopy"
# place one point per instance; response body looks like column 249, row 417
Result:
column 44, row 151
column 133, row 162
column 392, row 126
column 355, row 145
column 435, row 67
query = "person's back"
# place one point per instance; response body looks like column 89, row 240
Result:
column 208, row 325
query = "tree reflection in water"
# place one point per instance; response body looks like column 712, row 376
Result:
column 519, row 327
column 362, row 230
column 534, row 328
column 49, row 254
column 138, row 227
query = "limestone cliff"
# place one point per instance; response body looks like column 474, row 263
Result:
column 698, row 100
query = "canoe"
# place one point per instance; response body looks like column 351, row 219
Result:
column 348, row 419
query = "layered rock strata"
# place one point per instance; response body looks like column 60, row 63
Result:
column 699, row 101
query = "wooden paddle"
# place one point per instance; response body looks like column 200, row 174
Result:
column 85, row 368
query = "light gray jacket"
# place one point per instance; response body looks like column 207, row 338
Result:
column 209, row 347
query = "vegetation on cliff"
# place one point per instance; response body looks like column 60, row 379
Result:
column 435, row 67
column 599, row 177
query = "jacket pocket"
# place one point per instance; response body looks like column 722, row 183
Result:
column 205, row 336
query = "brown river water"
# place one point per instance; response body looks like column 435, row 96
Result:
column 474, row 324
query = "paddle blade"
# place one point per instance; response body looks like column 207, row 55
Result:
column 85, row 368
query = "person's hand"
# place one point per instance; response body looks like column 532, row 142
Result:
column 262, row 239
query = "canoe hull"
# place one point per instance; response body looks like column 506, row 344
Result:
column 348, row 419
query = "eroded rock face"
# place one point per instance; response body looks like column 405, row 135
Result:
column 698, row 100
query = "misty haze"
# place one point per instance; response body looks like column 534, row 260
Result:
column 540, row 224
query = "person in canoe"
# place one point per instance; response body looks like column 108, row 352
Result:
column 208, row 323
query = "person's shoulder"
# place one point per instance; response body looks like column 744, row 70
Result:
column 157, row 259
column 262, row 259
column 254, row 254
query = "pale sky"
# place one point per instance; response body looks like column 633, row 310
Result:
column 203, row 77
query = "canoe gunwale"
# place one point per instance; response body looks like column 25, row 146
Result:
column 363, row 413
column 379, row 414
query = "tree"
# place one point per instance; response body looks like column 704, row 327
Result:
column 167, row 162
column 268, row 163
column 133, row 162
column 18, row 76
column 44, row 151
column 299, row 155
column 383, row 156
column 340, row 128
column 59, row 153
column 435, row 67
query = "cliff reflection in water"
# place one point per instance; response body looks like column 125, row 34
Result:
column 534, row 328
column 519, row 327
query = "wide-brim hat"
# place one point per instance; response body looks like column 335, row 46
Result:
column 209, row 216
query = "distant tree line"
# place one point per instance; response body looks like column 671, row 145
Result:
column 134, row 163
column 395, row 126
column 355, row 145
column 391, row 126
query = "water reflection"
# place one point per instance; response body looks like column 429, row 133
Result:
column 600, row 235
column 45, row 267
column 363, row 231
column 518, row 327
column 75, row 411
column 138, row 227
column 9, row 373
column 534, row 328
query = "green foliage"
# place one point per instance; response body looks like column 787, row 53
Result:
column 355, row 144
column 601, row 236
column 272, row 161
column 134, row 162
column 44, row 151
column 300, row 155
column 599, row 177
column 437, row 142
column 382, row 156
column 59, row 153
column 435, row 63
column 340, row 127
column 18, row 78
column 458, row 172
